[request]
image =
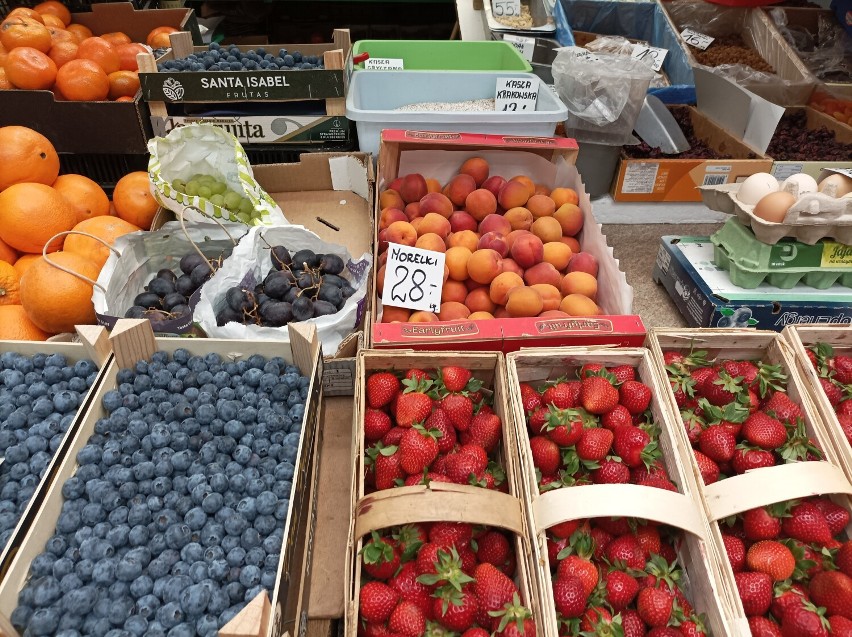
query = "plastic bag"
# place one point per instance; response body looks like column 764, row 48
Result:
column 249, row 264
column 603, row 92
column 207, row 149
column 826, row 50
column 618, row 45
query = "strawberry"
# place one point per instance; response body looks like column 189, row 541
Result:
column 623, row 373
column 376, row 424
column 562, row 395
column 563, row 426
column 454, row 609
column 635, row 396
column 699, row 375
column 416, row 375
column 626, row 549
column 631, row 624
column 720, row 388
column 683, row 388
column 842, row 366
column 417, row 449
column 413, row 404
column 475, row 632
column 807, row 523
column 392, row 437
column 459, row 409
column 380, row 558
column 455, row 379
column 515, row 620
column 717, row 443
column 611, row 472
column 451, row 534
column 763, row 627
column 545, row 455
column 538, row 419
column 530, row 398
column 843, row 559
column 832, row 391
column 690, row 628
column 633, row 445
column 845, row 407
column 407, row 619
column 772, row 558
column 707, row 467
column 428, row 558
column 833, row 591
column 597, row 620
column 388, row 468
column 577, row 566
column 591, row 369
column 764, row 431
column 597, row 395
column 747, row 458
column 805, row 621
column 617, row 417
column 840, row 626
column 787, row 596
column 565, row 529
column 693, row 425
column 594, row 445
column 735, row 549
column 440, row 422
column 486, row 430
column 377, row 602
column 406, row 583
column 845, row 421
column 469, row 460
column 655, row 606
column 374, row 630
column 664, row 631
column 569, row 597
column 382, row 388
column 783, row 408
column 674, row 359
column 761, row 524
column 755, row 590
column 493, row 548
column 621, row 589
column 657, row 480
column 836, row 516
column 492, row 588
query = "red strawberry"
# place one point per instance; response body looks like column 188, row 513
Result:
column 845, row 407
column 376, row 424
column 621, row 589
column 772, row 558
column 699, row 375
column 843, row 559
column 664, row 631
column 427, row 558
column 626, row 549
column 720, row 388
column 486, row 430
column 475, row 632
column 736, row 552
column 594, row 445
column 832, row 391
column 833, row 591
column 407, row 619
column 631, row 624
column 493, row 589
column 563, row 426
column 538, row 420
column 611, row 472
column 576, row 566
column 763, row 627
column 516, row 621
column 840, row 626
column 412, row 407
column 690, row 628
column 657, row 480
column 804, row 621
column 392, row 437
column 461, row 466
column 708, row 468
column 374, row 630
column 459, row 409
column 439, row 421
column 693, row 425
column 764, row 431
column 632, row 445
column 451, row 534
column 623, row 373
column 590, row 369
column 785, row 598
column 417, row 449
column 635, row 396
column 455, row 378
column 755, row 590
column 747, row 458
column 406, row 583
column 563, row 395
column 382, row 388
column 807, row 523
column 842, row 366
column 380, row 558
column 388, row 468
column 456, row 610
column 783, row 408
column 569, row 597
column 845, row 421
column 655, row 606
column 530, row 398
column 717, row 443
column 617, row 417
column 597, row 620
column 416, row 375
column 597, row 395
column 493, row 548
column 761, row 524
column 564, row 530
column 836, row 516
column 377, row 602
column 545, row 455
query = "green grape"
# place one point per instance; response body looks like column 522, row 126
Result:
column 179, row 185
column 204, row 191
column 192, row 187
column 232, row 200
column 246, row 206
column 218, row 188
column 243, row 218
column 217, row 212
column 217, row 200
column 198, row 177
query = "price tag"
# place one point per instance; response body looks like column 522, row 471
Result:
column 413, row 278
column 516, row 94
column 651, row 55
column 525, row 46
column 384, row 64
column 506, row 8
column 696, row 39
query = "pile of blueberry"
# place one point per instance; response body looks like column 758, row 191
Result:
column 174, row 518
column 39, row 396
column 219, row 58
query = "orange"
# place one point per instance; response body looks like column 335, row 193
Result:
column 15, row 325
column 124, row 99
column 7, row 254
column 127, row 55
column 26, row 13
column 79, row 32
column 22, row 31
column 26, row 155
column 9, row 284
column 31, row 214
column 56, row 300
column 82, row 81
column 30, row 69
column 51, row 21
column 101, row 52
column 133, row 200
column 24, row 262
column 60, row 35
column 107, row 228
column 116, row 38
column 63, row 52
column 3, row 54
column 159, row 38
column 52, row 7
column 5, row 84
column 86, row 197
column 123, row 84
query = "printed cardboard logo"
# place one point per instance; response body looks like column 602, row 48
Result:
column 741, row 317
column 412, row 330
column 574, row 325
column 173, row 89
column 414, row 134
column 538, row 141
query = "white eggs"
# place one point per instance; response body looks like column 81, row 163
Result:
column 800, row 184
column 774, row 206
column 756, row 187
column 836, row 185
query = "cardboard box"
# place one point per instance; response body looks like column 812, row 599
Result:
column 705, row 296
column 781, row 168
column 96, row 127
column 549, row 161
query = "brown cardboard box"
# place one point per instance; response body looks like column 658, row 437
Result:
column 782, row 168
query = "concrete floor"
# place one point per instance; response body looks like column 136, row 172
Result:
column 635, row 246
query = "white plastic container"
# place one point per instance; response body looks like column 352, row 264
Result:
column 373, row 96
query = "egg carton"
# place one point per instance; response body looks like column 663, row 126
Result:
column 813, row 217
column 786, row 264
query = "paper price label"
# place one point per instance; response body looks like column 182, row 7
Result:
column 384, row 64
column 842, row 171
column 651, row 55
column 696, row 39
column 506, row 8
column 516, row 94
column 413, row 278
column 525, row 46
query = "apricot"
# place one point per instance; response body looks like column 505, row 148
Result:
column 480, row 316
column 513, row 236
column 579, row 305
column 553, row 314
column 479, row 300
column 453, row 291
column 561, row 196
column 396, row 184
column 402, row 232
column 416, row 223
column 519, row 218
column 527, row 182
column 484, row 265
column 433, row 222
column 472, row 285
column 383, row 258
column 392, row 314
column 389, row 215
column 541, row 206
column 480, row 203
column 503, row 283
column 570, row 217
column 494, row 241
column 413, row 188
column 579, row 283
column 495, row 223
column 510, row 265
column 583, row 262
column 466, row 238
column 501, row 312
column 572, row 243
column 433, row 185
column 477, row 168
column 383, row 240
column 391, row 199
column 542, row 189
column 557, row 254
column 456, row 261
column 437, row 203
column 459, row 188
column 452, row 311
column 547, row 229
column 423, row 317
column 524, row 301
column 543, row 273
column 527, row 250
column 412, row 210
column 431, row 241
column 380, row 280
column 494, row 184
column 461, row 220
column 551, row 297
column 513, row 195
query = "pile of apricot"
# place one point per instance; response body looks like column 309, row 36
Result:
column 511, row 247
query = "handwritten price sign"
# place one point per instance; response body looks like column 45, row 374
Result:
column 413, row 278
column 651, row 55
column 506, row 8
column 697, row 39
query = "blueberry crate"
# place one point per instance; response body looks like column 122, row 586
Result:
column 133, row 340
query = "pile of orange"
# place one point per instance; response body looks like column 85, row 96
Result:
column 37, row 299
column 839, row 109
column 41, row 49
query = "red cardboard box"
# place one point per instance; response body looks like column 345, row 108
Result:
column 545, row 160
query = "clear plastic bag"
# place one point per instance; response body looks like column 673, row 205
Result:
column 826, row 49
column 619, row 45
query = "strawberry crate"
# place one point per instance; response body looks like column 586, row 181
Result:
column 582, row 525
column 805, row 338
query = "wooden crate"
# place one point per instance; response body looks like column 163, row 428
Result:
column 801, row 337
column 681, row 510
column 133, row 340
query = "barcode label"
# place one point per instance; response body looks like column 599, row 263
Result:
column 715, row 180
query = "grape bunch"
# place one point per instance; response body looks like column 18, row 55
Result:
column 219, row 58
column 166, row 297
column 218, row 193
column 297, row 288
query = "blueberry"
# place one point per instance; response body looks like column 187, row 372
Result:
column 46, row 591
column 136, row 625
column 170, row 615
column 141, row 586
column 44, row 621
column 194, row 600
column 104, row 572
column 138, row 535
column 147, row 606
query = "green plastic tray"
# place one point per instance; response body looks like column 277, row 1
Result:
column 445, row 55
column 785, row 264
